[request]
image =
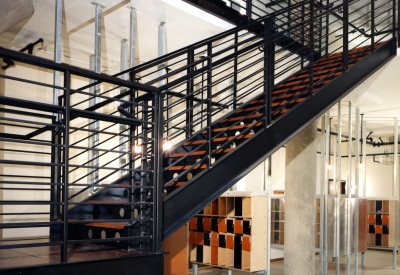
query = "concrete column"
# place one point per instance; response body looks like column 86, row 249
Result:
column 300, row 197
column 57, row 48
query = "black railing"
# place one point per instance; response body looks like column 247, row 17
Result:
column 185, row 93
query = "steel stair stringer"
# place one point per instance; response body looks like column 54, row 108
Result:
column 185, row 202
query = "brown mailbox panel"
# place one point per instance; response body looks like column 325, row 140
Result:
column 192, row 237
column 246, row 243
column 371, row 218
column 193, row 224
column 214, row 239
column 207, row 224
column 238, row 229
column 222, row 225
column 385, row 219
column 229, row 241
column 200, row 238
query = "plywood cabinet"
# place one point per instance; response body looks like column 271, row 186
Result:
column 231, row 233
column 278, row 222
column 381, row 223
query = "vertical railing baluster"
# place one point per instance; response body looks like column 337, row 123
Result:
column 398, row 22
column 302, row 38
column 143, row 166
column 327, row 31
column 269, row 52
column 345, row 35
column 320, row 28
column 249, row 5
column 132, row 130
column 394, row 18
column 372, row 25
column 311, row 49
column 189, row 90
column 235, row 64
column 209, row 99
column 288, row 15
column 158, row 186
column 67, row 90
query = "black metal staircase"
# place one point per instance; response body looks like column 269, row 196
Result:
column 225, row 104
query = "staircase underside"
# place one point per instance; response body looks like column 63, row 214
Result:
column 188, row 200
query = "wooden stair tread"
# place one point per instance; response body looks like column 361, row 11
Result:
column 240, row 118
column 236, row 127
column 248, row 109
column 110, row 225
column 120, row 202
column 198, row 153
column 221, row 139
column 280, row 103
column 186, row 167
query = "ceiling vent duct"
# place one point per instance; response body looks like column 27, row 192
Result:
column 14, row 11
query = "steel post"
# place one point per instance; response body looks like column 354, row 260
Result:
column 338, row 185
column 321, row 195
column 267, row 180
column 358, row 167
column 348, row 190
column 364, row 159
column 325, row 190
column 57, row 47
column 395, row 160
column 195, row 269
column 94, row 125
column 55, row 151
column 396, row 184
column 124, row 146
column 162, row 70
column 249, row 5
column 64, row 247
column 158, row 111
column 132, row 37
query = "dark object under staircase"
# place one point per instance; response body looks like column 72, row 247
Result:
column 225, row 103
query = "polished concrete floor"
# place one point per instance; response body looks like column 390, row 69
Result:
column 376, row 263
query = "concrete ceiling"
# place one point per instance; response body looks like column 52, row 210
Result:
column 78, row 30
column 377, row 97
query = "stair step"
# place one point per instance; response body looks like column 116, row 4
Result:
column 281, row 112
column 284, row 102
column 110, row 225
column 186, row 167
column 221, row 139
column 199, row 153
column 317, row 76
column 236, row 127
column 240, row 118
column 109, row 202
column 249, row 109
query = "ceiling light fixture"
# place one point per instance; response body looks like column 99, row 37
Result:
column 188, row 8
